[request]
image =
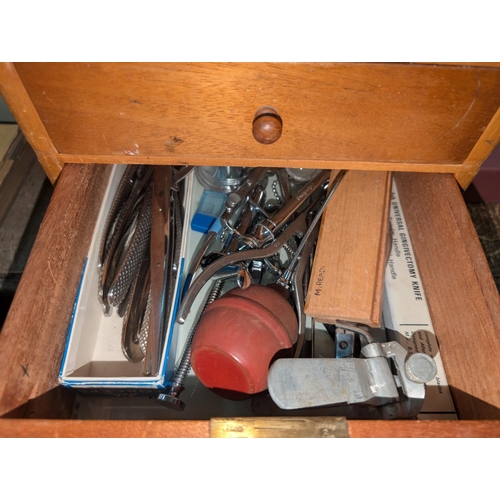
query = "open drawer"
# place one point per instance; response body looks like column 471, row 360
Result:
column 463, row 301
column 436, row 119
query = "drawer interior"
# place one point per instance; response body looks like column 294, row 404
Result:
column 447, row 250
column 99, row 336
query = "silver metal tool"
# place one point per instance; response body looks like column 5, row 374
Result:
column 244, row 278
column 347, row 325
column 286, row 276
column 231, row 244
column 273, row 243
column 173, row 260
column 298, row 226
column 198, row 257
column 116, row 210
column 163, row 181
column 136, row 315
column 309, row 383
column 139, row 256
column 244, row 224
column 171, row 398
column 119, row 232
column 239, row 197
column 180, row 174
column 266, row 231
column 284, row 184
column 344, row 343
column 166, row 238
column 237, row 203
column 297, row 288
column 133, row 254
column 143, row 336
column 222, row 179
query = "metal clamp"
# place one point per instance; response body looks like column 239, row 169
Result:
column 307, row 383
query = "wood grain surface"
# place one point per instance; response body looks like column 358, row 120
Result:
column 348, row 271
column 486, row 220
column 424, row 429
column 28, row 119
column 104, row 428
column 393, row 113
column 488, row 141
column 34, row 333
column 178, row 159
column 462, row 296
column 18, row 428
column 463, row 64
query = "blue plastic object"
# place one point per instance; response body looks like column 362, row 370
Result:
column 209, row 210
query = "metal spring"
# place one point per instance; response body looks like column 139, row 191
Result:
column 289, row 250
column 185, row 363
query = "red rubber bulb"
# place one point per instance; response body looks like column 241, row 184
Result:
column 238, row 336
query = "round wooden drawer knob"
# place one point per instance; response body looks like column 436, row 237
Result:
column 267, row 125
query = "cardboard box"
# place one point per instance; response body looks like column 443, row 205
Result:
column 93, row 355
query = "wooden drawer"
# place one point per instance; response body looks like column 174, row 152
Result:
column 463, row 301
column 405, row 117
column 460, row 290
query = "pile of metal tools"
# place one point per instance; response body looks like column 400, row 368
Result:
column 139, row 258
column 266, row 237
column 249, row 335
column 264, row 241
column 271, row 242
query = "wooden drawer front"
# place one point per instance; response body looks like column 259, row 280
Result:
column 407, row 116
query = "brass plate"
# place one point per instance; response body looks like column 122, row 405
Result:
column 279, row 427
